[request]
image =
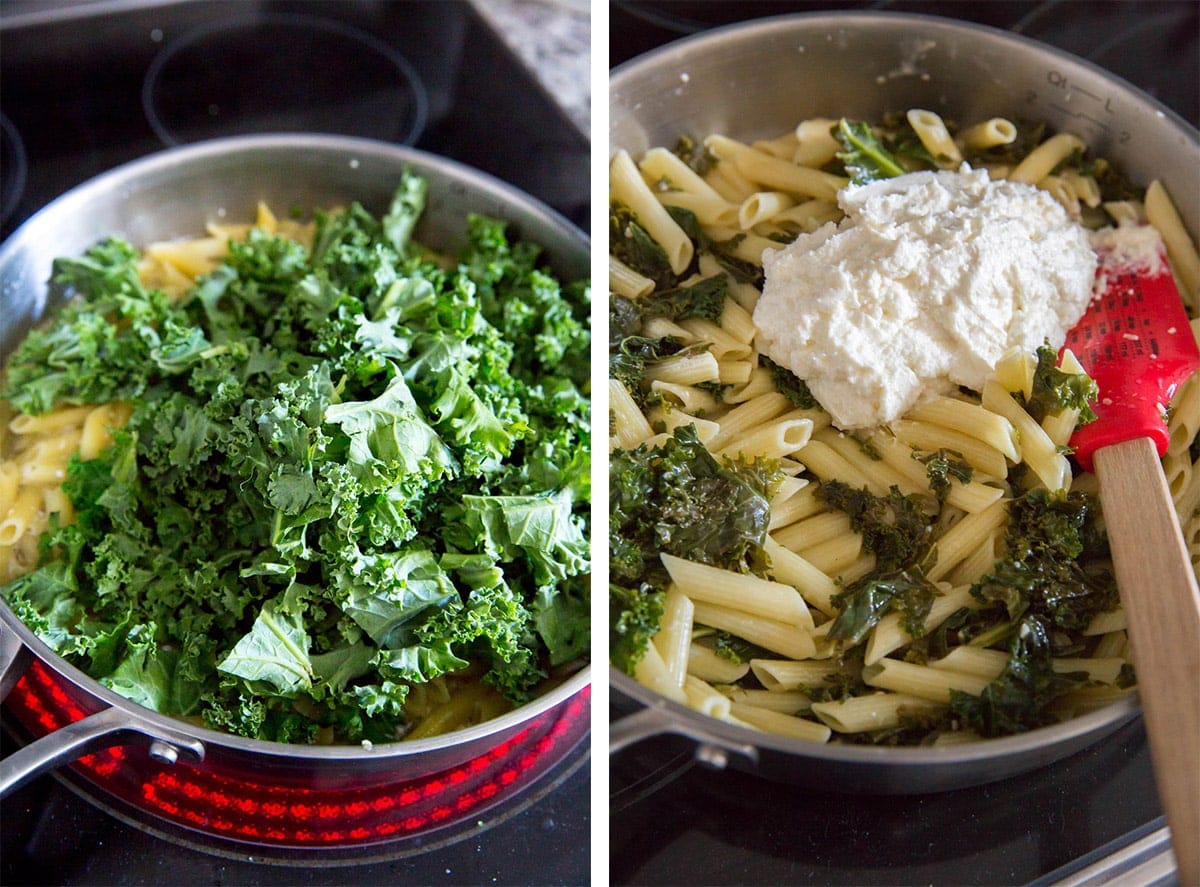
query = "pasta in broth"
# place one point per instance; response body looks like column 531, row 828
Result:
column 812, row 623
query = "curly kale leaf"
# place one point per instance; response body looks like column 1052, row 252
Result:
column 942, row 468
column 631, row 244
column 627, row 363
column 705, row 299
column 894, row 527
column 695, row 154
column 1054, row 565
column 681, row 499
column 864, row 603
column 1017, row 700
column 1055, row 390
column 737, row 268
column 543, row 532
column 112, row 342
column 635, row 615
column 273, row 652
column 408, row 203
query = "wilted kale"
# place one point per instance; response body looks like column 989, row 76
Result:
column 863, row 155
column 865, row 602
column 704, row 299
column 1055, row 390
column 1054, row 563
column 942, row 468
column 695, row 154
column 629, row 242
column 737, row 650
column 635, row 616
column 627, row 363
column 739, row 269
column 895, row 527
column 1017, row 700
column 1113, row 185
column 789, row 384
column 898, row 137
column 897, row 530
column 682, row 500
column 348, row 471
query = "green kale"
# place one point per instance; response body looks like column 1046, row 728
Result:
column 681, row 499
column 635, row 615
column 624, row 320
column 864, row 156
column 695, row 154
column 408, row 203
column 894, row 527
column 1017, row 700
column 631, row 244
column 905, row 145
column 959, row 628
column 733, row 649
column 1113, row 185
column 739, row 269
column 627, row 364
column 864, row 603
column 789, row 384
column 1055, row 562
column 942, row 468
column 1055, row 390
column 704, row 299
column 106, row 346
column 348, row 470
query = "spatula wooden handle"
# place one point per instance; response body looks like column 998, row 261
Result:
column 1162, row 606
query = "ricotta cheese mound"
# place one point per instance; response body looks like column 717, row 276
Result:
column 927, row 282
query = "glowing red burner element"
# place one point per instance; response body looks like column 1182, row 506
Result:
column 248, row 807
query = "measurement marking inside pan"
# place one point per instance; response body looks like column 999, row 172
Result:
column 1061, row 81
column 1083, row 115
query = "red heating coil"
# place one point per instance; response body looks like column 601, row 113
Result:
column 243, row 807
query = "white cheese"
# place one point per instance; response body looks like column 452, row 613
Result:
column 927, row 282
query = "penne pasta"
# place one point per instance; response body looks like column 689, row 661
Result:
column 968, row 461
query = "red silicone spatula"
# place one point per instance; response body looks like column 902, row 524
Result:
column 1136, row 343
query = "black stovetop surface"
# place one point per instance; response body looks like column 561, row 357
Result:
column 674, row 822
column 87, row 91
column 87, row 86
column 52, row 836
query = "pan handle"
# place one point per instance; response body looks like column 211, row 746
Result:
column 104, row 729
column 711, row 750
column 14, row 659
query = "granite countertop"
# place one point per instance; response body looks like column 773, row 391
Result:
column 553, row 38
